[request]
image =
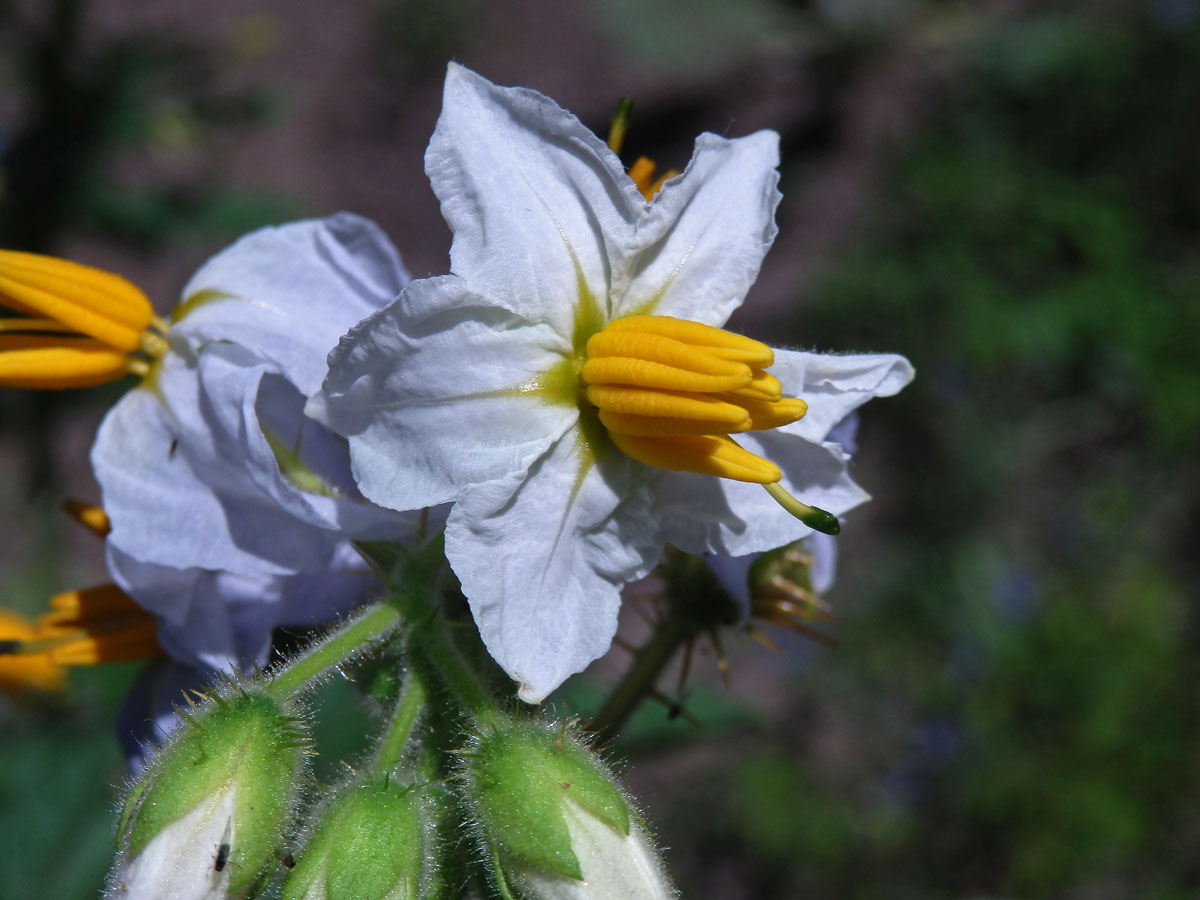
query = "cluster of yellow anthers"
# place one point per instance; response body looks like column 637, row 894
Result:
column 670, row 392
column 74, row 326
column 83, row 628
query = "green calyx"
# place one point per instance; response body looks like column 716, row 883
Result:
column 370, row 845
column 246, row 744
column 518, row 781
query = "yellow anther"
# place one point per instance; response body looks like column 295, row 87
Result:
column 87, row 300
column 23, row 672
column 765, row 415
column 665, row 350
column 719, row 343
column 91, row 517
column 620, row 370
column 761, row 387
column 96, row 625
column 42, row 361
column 704, row 454
column 670, row 392
column 665, row 404
column 659, row 426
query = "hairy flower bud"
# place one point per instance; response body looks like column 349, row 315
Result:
column 204, row 820
column 554, row 822
column 372, row 843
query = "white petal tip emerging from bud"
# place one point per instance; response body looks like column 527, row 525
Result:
column 187, row 860
column 614, row 866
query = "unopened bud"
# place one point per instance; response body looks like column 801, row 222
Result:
column 554, row 822
column 205, row 818
column 373, row 843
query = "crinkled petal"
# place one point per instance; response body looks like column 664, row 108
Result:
column 433, row 394
column 222, row 621
column 292, row 291
column 702, row 240
column 542, row 557
column 189, row 480
column 709, row 515
column 535, row 200
column 834, row 385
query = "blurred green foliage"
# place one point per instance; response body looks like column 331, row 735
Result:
column 1020, row 655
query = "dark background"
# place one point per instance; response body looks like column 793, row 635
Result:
column 1004, row 192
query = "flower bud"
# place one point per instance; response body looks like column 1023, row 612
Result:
column 554, row 822
column 373, row 843
column 204, row 820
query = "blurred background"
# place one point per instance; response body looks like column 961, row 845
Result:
column 1005, row 192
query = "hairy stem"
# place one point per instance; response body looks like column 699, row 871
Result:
column 373, row 623
column 404, row 720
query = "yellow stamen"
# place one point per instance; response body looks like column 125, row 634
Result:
column 670, row 392
column 665, row 404
column 96, row 625
column 648, row 374
column 42, row 361
column 20, row 672
column 88, row 300
column 660, row 426
column 762, row 387
column 642, row 174
column 717, row 341
column 703, row 453
column 765, row 415
column 91, row 517
column 80, row 326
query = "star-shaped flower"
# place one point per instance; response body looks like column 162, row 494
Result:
column 231, row 511
column 569, row 388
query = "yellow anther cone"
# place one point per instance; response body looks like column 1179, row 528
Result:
column 25, row 672
column 717, row 341
column 87, row 300
column 45, row 362
column 703, row 454
column 665, row 404
column 96, row 625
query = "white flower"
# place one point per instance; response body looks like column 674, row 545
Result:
column 472, row 387
column 231, row 511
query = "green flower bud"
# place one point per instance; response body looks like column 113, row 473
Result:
column 372, row 843
column 206, row 817
column 554, row 822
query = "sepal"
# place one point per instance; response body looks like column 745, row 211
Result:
column 373, row 842
column 553, row 821
column 205, row 818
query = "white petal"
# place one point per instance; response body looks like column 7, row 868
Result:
column 615, row 866
column 429, row 393
column 179, row 863
column 292, row 291
column 702, row 240
column 833, row 385
column 824, row 552
column 189, row 480
column 533, row 197
column 542, row 557
column 224, row 621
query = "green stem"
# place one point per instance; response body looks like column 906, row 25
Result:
column 373, row 623
column 404, row 719
column 637, row 684
column 444, row 660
